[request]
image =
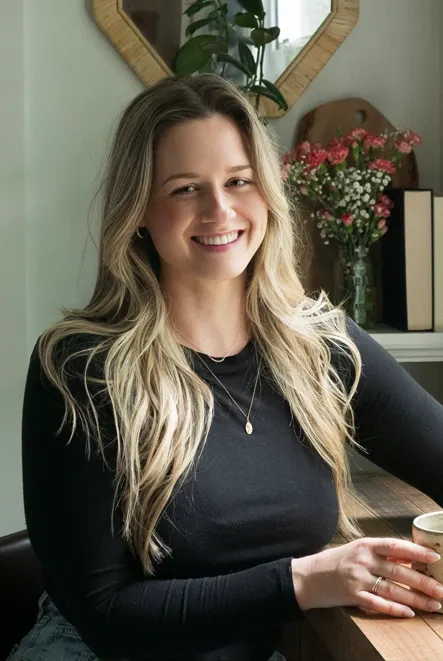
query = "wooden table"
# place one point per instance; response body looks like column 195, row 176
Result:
column 385, row 507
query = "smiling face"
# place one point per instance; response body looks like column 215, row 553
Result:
column 205, row 214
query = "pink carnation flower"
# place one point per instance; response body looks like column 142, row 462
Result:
column 347, row 219
column 301, row 151
column 412, row 137
column 356, row 134
column 385, row 200
column 381, row 223
column 338, row 154
column 316, row 157
column 374, row 141
column 403, row 146
column 336, row 142
column 381, row 210
column 382, row 164
column 324, row 213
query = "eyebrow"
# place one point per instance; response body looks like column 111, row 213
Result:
column 192, row 175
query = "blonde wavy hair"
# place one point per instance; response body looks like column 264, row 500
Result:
column 161, row 408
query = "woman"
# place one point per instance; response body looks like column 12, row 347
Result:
column 184, row 435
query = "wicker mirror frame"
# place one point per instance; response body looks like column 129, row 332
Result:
column 147, row 64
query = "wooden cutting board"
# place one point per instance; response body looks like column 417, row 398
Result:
column 320, row 125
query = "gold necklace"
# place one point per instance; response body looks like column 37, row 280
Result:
column 248, row 426
column 214, row 360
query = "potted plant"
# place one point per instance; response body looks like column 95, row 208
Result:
column 219, row 44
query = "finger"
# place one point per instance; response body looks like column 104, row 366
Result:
column 417, row 600
column 401, row 548
column 411, row 578
column 368, row 611
column 400, row 561
column 373, row 602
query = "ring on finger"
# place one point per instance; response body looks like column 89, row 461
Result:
column 377, row 584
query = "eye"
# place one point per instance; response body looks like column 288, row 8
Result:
column 239, row 183
column 186, row 190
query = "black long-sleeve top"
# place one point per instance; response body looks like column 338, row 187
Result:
column 250, row 505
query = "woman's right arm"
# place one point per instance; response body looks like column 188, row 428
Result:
column 91, row 574
column 345, row 576
column 401, row 427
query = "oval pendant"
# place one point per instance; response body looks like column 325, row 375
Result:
column 248, row 427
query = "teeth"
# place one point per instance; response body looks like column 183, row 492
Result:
column 217, row 240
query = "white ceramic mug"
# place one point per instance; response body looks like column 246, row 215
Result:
column 427, row 530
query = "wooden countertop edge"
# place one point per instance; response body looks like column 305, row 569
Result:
column 350, row 634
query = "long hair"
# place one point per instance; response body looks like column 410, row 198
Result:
column 161, row 408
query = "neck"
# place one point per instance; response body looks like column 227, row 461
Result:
column 208, row 316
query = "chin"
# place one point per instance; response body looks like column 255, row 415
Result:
column 223, row 274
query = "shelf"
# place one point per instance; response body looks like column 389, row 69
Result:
column 410, row 347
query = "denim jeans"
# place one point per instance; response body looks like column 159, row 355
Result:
column 53, row 638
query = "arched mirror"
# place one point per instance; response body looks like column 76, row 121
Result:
column 149, row 33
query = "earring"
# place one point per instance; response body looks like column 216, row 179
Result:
column 140, row 236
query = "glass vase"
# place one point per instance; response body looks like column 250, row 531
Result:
column 354, row 284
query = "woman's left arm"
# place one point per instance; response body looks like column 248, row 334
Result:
column 397, row 421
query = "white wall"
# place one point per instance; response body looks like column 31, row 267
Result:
column 75, row 86
column 13, row 345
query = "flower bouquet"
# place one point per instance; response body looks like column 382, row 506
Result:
column 343, row 185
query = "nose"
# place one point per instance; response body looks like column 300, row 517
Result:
column 218, row 208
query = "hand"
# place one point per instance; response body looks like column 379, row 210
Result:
column 345, row 576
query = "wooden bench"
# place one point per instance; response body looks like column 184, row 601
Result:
column 385, row 507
